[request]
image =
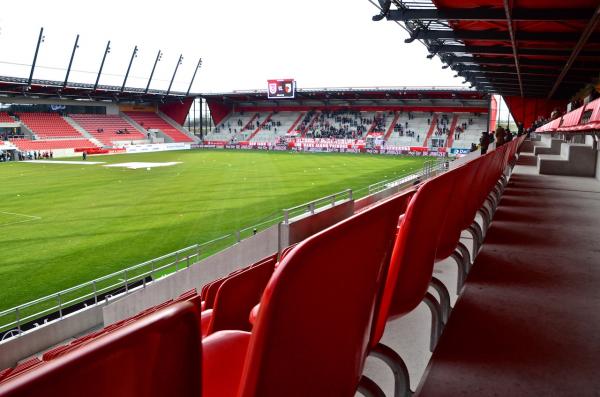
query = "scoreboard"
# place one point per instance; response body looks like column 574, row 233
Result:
column 281, row 89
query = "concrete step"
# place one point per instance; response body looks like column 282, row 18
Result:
column 82, row 131
column 551, row 147
column 178, row 127
column 574, row 160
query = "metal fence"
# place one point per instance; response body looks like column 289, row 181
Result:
column 21, row 318
column 312, row 206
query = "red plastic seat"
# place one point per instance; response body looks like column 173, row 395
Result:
column 313, row 328
column 411, row 269
column 238, row 295
column 158, row 355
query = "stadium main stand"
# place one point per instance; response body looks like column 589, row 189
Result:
column 108, row 129
column 151, row 120
column 323, row 126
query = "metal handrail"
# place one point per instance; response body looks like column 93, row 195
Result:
column 312, row 206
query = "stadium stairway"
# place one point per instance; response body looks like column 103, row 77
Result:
column 431, row 129
column 371, row 128
column 250, row 122
column 83, row 131
column 450, row 137
column 295, row 124
column 178, row 127
column 133, row 123
column 392, row 125
column 153, row 120
column 256, row 131
column 311, row 123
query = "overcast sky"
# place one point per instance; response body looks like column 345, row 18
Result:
column 320, row 43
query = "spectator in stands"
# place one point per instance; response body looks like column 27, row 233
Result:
column 500, row 136
column 484, row 142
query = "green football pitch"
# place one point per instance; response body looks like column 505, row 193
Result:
column 62, row 225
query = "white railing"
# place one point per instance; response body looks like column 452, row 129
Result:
column 312, row 206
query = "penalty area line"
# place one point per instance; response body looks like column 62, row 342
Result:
column 30, row 218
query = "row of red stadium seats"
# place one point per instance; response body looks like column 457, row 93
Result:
column 298, row 324
column 583, row 119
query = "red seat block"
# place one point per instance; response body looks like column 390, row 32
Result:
column 156, row 356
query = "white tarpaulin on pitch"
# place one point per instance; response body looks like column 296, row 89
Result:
column 138, row 165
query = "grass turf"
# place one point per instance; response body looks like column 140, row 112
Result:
column 62, row 225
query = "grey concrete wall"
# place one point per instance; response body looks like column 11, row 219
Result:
column 304, row 226
column 47, row 335
column 373, row 198
column 240, row 255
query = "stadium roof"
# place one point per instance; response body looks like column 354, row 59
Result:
column 20, row 87
column 378, row 96
column 527, row 48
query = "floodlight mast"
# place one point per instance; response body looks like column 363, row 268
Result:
column 174, row 73
column 102, row 65
column 37, row 49
column 75, row 47
column 194, row 76
column 133, row 55
column 158, row 57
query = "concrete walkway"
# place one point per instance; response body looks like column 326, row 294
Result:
column 528, row 320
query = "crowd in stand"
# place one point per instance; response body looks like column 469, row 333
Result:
column 271, row 125
column 403, row 130
column 339, row 124
column 239, row 123
column 442, row 125
column 348, row 124
column 379, row 123
column 20, row 156
column 462, row 128
column 118, row 132
column 501, row 136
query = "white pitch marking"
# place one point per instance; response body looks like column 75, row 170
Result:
column 30, row 218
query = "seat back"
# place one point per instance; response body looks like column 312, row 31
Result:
column 413, row 256
column 237, row 296
column 476, row 197
column 455, row 211
column 315, row 318
column 158, row 355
